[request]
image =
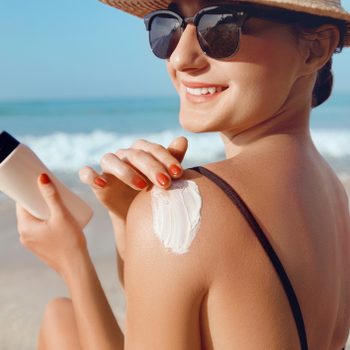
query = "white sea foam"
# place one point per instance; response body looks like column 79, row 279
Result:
column 70, row 152
column 334, row 143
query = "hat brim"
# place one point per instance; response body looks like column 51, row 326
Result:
column 324, row 8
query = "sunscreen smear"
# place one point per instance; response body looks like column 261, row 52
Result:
column 176, row 214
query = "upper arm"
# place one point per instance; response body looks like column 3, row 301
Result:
column 164, row 290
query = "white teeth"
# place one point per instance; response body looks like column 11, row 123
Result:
column 203, row 91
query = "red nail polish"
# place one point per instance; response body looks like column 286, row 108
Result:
column 175, row 170
column 162, row 179
column 139, row 183
column 44, row 179
column 100, row 182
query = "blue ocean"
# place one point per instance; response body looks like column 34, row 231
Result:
column 70, row 134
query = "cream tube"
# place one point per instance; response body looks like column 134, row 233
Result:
column 19, row 171
column 177, row 214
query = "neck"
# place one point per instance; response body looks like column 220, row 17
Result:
column 287, row 124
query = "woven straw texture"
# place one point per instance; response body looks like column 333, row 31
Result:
column 328, row 8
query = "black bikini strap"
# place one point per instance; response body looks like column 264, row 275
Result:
column 292, row 298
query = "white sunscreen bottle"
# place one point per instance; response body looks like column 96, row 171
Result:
column 19, row 171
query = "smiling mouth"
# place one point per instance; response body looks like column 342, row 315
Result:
column 204, row 91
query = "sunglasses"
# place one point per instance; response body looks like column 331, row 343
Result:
column 218, row 29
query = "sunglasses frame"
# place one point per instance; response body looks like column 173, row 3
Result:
column 183, row 21
column 243, row 12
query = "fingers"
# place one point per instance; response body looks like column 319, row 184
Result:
column 110, row 163
column 145, row 163
column 90, row 177
column 170, row 157
column 178, row 148
column 23, row 214
column 139, row 165
column 50, row 194
column 24, row 219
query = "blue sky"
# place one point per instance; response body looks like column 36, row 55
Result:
column 82, row 49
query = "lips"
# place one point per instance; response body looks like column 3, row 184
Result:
column 195, row 85
column 200, row 92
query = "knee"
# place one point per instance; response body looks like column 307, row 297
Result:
column 59, row 329
column 57, row 310
column 57, row 316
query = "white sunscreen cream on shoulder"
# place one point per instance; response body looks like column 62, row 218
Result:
column 19, row 171
column 177, row 214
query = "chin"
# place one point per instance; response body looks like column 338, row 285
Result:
column 196, row 123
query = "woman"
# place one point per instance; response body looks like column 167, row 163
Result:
column 201, row 271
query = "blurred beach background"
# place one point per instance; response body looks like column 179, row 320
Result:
column 73, row 87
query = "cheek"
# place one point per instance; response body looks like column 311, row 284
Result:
column 260, row 78
column 172, row 75
column 262, row 75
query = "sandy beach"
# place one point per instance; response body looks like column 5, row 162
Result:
column 26, row 285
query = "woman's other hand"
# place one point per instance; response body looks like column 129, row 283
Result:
column 56, row 240
column 128, row 171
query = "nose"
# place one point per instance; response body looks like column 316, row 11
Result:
column 188, row 55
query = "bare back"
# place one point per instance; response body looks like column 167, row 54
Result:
column 303, row 210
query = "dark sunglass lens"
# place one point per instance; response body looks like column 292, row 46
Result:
column 218, row 34
column 164, row 35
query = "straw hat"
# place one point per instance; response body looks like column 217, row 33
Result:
column 325, row 8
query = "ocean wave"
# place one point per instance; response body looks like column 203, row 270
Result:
column 70, row 152
column 334, row 143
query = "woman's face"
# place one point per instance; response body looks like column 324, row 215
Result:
column 256, row 82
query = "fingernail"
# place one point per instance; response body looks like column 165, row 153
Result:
column 100, row 182
column 139, row 183
column 44, row 179
column 162, row 179
column 175, row 170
